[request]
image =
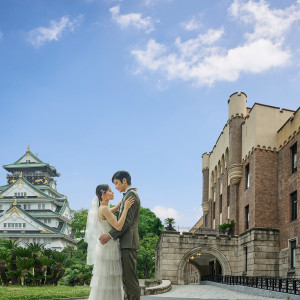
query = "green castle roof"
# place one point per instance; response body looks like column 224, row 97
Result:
column 17, row 165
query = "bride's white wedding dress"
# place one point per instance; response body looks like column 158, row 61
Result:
column 106, row 282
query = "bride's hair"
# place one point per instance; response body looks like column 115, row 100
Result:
column 100, row 190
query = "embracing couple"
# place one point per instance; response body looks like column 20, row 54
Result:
column 113, row 242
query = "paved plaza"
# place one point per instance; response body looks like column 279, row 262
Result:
column 203, row 292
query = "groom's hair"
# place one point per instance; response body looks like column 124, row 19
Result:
column 120, row 175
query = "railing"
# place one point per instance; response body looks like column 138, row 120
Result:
column 38, row 173
column 277, row 284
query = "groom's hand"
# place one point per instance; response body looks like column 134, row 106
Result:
column 104, row 238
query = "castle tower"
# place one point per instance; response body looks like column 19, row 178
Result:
column 236, row 113
column 31, row 208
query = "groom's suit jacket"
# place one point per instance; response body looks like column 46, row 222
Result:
column 129, row 235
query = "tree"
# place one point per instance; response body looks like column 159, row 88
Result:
column 10, row 247
column 149, row 223
column 79, row 222
column 169, row 222
column 146, row 256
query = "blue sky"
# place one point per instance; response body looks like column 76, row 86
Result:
column 142, row 85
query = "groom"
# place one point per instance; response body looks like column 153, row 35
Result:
column 128, row 236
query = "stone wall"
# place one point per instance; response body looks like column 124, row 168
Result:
column 175, row 249
column 263, row 252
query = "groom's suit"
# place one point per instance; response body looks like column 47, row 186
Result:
column 129, row 244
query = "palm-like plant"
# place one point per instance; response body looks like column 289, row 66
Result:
column 34, row 247
column 11, row 246
column 58, row 269
column 25, row 265
column 69, row 250
column 169, row 222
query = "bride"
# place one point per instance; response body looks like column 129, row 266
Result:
column 106, row 282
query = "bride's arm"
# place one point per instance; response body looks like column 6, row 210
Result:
column 115, row 208
column 117, row 224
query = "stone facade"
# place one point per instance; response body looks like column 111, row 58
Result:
column 248, row 179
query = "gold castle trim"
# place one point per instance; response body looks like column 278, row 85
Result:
column 20, row 182
column 45, row 231
column 14, row 211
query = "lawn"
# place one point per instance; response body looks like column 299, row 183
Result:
column 43, row 292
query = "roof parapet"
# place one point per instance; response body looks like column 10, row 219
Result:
column 205, row 161
column 237, row 105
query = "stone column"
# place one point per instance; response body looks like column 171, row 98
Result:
column 205, row 189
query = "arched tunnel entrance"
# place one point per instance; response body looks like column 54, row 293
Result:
column 200, row 265
column 200, row 262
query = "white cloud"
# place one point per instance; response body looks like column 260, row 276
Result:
column 133, row 19
column 212, row 64
column 153, row 2
column 167, row 212
column 192, row 24
column 267, row 23
column 203, row 62
column 38, row 36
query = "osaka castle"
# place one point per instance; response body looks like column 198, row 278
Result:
column 31, row 209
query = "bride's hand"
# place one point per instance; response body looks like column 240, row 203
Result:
column 129, row 202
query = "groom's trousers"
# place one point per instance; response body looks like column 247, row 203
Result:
column 130, row 280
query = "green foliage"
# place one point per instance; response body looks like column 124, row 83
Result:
column 43, row 292
column 223, row 226
column 78, row 273
column 169, row 222
column 226, row 226
column 146, row 256
column 149, row 223
column 150, row 227
column 32, row 265
column 79, row 222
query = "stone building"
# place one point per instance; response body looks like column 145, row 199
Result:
column 31, row 208
column 250, row 176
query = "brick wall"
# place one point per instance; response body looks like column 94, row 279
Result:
column 287, row 184
column 266, row 206
column 247, row 196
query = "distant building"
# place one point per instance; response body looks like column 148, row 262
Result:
column 251, row 176
column 197, row 226
column 31, row 209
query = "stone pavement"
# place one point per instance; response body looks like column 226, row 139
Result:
column 203, row 292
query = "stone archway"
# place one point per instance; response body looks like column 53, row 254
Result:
column 220, row 257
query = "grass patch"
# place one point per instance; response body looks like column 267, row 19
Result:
column 42, row 292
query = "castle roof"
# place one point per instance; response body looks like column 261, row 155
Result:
column 29, row 160
column 23, row 180
column 42, row 229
